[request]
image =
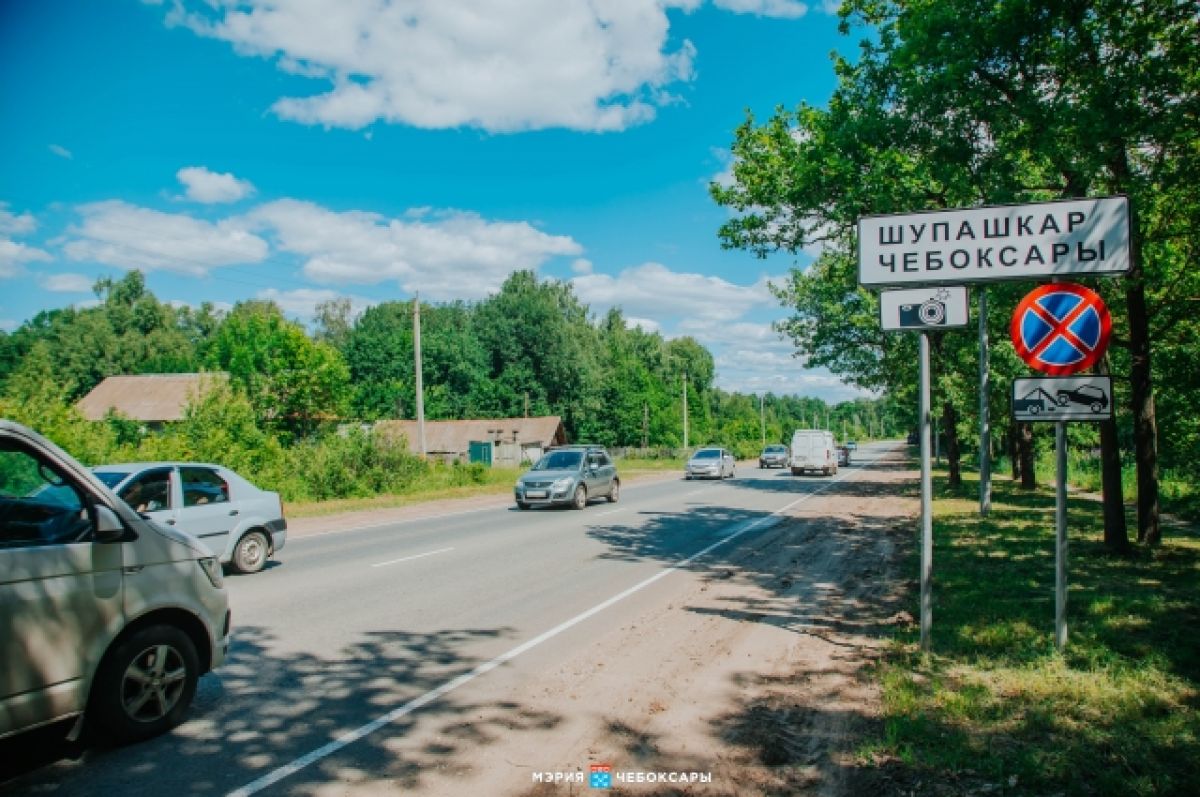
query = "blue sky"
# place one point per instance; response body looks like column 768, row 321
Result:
column 299, row 151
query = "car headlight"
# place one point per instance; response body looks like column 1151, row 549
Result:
column 563, row 483
column 518, row 485
column 212, row 569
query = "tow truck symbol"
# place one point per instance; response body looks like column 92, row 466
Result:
column 1036, row 401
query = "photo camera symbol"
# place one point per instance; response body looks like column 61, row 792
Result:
column 929, row 313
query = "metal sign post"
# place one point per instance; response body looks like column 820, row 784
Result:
column 926, row 500
column 985, row 427
column 1060, row 529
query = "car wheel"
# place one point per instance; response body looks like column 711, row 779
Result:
column 579, row 500
column 1063, row 399
column 145, row 684
column 522, row 505
column 614, row 493
column 1097, row 406
column 250, row 555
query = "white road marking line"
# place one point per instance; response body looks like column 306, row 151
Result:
column 410, row 558
column 349, row 738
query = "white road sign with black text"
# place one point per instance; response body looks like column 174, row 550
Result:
column 924, row 308
column 1062, row 398
column 1007, row 242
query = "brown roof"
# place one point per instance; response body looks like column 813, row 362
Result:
column 447, row 437
column 146, row 397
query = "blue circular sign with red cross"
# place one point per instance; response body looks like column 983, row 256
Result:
column 1061, row 329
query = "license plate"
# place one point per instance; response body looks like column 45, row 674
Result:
column 535, row 493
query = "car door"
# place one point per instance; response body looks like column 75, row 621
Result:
column 58, row 586
column 205, row 509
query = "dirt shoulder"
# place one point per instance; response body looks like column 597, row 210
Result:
column 754, row 672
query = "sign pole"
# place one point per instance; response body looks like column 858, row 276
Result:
column 985, row 429
column 926, row 500
column 1060, row 548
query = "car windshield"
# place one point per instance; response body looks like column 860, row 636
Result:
column 111, row 478
column 707, row 453
column 775, row 449
column 559, row 460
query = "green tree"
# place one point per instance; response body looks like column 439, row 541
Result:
column 292, row 381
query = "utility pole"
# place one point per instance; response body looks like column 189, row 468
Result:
column 645, row 425
column 762, row 420
column 417, row 371
column 685, row 418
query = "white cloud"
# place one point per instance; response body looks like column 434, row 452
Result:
column 652, row 290
column 444, row 255
column 68, row 283
column 302, row 302
column 14, row 254
column 126, row 236
column 12, row 224
column 499, row 65
column 205, row 186
column 61, row 152
column 582, row 266
column 786, row 9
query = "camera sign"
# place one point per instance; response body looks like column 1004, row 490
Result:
column 1062, row 398
column 924, row 308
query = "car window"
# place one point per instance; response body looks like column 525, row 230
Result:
column 112, row 478
column 560, row 460
column 707, row 453
column 38, row 504
column 203, row 486
column 149, row 491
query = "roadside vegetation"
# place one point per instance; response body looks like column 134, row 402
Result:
column 995, row 708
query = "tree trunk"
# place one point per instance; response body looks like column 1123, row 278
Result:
column 1116, row 532
column 950, row 428
column 1145, row 427
column 1028, row 477
column 1014, row 449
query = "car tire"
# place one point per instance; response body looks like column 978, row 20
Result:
column 1097, row 406
column 522, row 505
column 250, row 553
column 579, row 499
column 145, row 684
column 614, row 492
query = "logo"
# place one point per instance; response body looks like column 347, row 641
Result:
column 929, row 313
column 600, row 777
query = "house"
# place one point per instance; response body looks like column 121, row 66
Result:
column 512, row 441
column 150, row 398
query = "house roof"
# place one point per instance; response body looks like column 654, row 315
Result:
column 146, row 397
column 454, row 436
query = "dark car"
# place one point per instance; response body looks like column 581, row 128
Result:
column 773, row 456
column 569, row 475
column 843, row 455
column 1089, row 396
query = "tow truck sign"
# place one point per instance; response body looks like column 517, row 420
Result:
column 1062, row 398
column 952, row 247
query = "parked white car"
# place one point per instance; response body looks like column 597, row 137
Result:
column 243, row 525
column 710, row 463
column 103, row 614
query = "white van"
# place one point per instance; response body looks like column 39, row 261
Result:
column 813, row 449
column 102, row 612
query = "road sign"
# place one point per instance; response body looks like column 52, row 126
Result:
column 1062, row 398
column 1060, row 329
column 924, row 308
column 1006, row 242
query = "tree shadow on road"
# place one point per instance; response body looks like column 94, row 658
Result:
column 263, row 710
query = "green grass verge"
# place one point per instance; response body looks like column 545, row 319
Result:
column 996, row 708
column 445, row 482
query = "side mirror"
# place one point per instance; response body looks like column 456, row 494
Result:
column 109, row 527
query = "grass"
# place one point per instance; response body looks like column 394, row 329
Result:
column 441, row 483
column 996, row 707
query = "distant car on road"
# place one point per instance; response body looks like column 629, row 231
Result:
column 570, row 475
column 1090, row 396
column 243, row 525
column 773, row 456
column 710, row 463
column 850, row 444
column 843, row 455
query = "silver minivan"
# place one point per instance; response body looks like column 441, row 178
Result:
column 103, row 614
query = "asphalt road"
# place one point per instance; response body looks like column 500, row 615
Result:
column 355, row 642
